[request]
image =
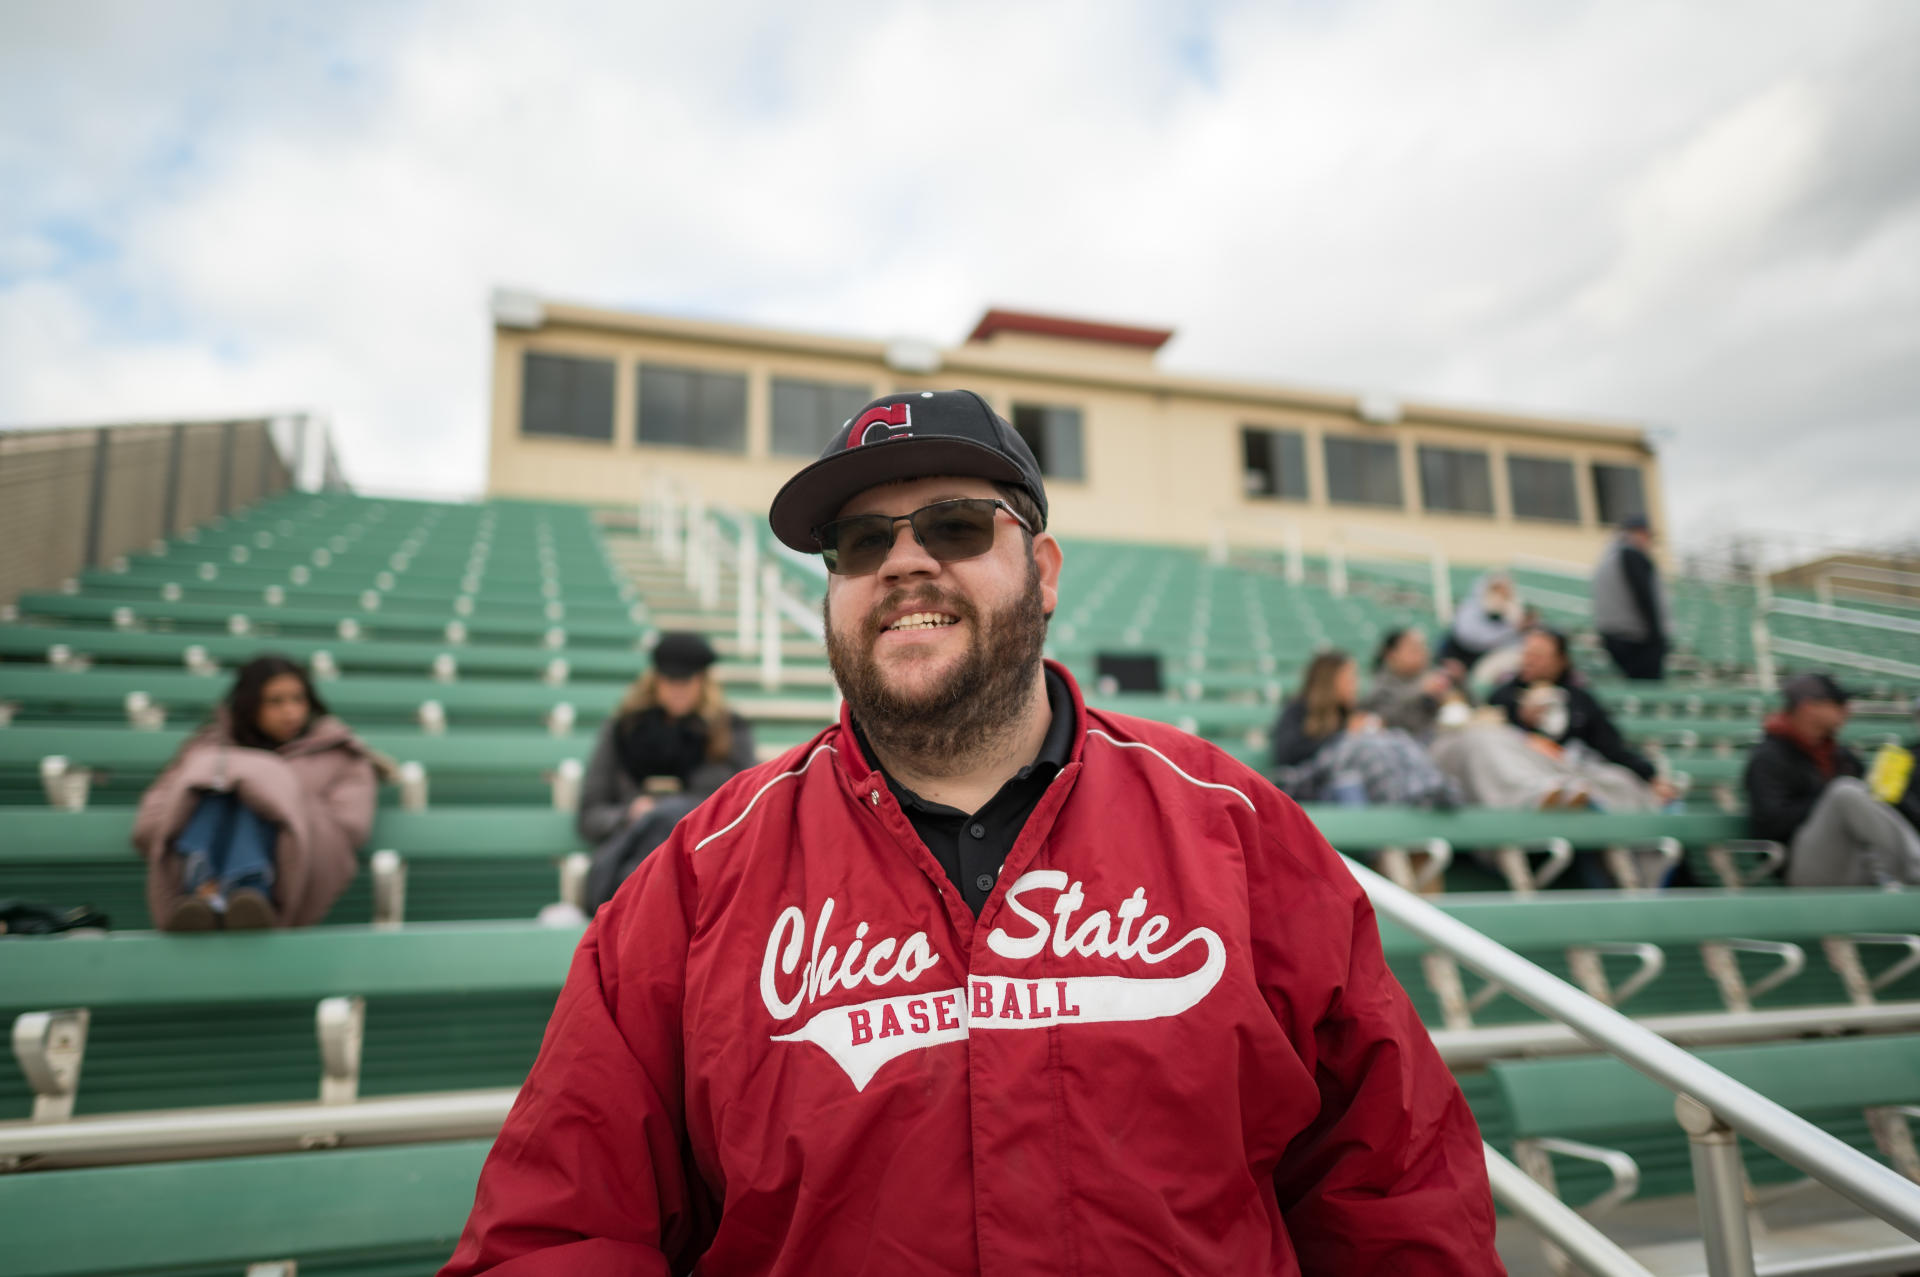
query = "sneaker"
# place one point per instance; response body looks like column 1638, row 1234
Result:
column 248, row 910
column 193, row 912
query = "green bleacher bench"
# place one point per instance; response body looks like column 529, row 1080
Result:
column 271, row 622
column 368, row 1211
column 1603, row 1112
column 43, row 694
column 453, row 863
column 1715, row 843
column 472, row 766
column 271, row 1017
column 103, row 647
column 1706, row 951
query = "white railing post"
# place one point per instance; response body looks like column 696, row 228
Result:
column 1217, row 552
column 669, row 523
column 1337, row 567
column 697, row 542
column 747, row 572
column 1442, row 587
column 770, row 627
column 1296, row 556
column 1763, row 668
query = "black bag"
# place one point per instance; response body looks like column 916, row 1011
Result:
column 24, row 918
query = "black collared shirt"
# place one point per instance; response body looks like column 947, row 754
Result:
column 972, row 848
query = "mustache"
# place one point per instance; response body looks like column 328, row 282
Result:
column 926, row 598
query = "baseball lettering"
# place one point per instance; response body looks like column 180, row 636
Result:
column 861, row 1038
column 886, row 961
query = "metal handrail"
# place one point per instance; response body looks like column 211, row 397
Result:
column 1585, row 1245
column 1846, row 615
column 1859, row 1178
column 1839, row 656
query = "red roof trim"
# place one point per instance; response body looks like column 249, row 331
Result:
column 1018, row 321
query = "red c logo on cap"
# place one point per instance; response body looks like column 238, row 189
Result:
column 881, row 423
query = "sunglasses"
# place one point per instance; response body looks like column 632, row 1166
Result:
column 948, row 530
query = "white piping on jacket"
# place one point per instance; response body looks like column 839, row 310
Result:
column 1204, row 784
column 728, row 828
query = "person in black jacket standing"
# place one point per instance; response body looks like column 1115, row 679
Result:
column 1629, row 607
column 1804, row 789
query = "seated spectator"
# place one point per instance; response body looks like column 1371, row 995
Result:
column 256, row 820
column 1804, row 789
column 1407, row 692
column 1566, row 752
column 1488, row 621
column 672, row 742
column 1324, row 748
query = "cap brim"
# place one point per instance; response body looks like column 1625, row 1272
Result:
column 815, row 494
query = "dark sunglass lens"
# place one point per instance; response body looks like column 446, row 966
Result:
column 955, row 529
column 854, row 547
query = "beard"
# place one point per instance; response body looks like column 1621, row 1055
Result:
column 942, row 728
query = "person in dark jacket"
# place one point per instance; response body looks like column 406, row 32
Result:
column 672, row 742
column 1550, row 700
column 1805, row 789
column 1629, row 607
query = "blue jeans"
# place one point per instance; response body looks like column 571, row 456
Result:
column 226, row 841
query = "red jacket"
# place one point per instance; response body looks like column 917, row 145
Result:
column 1169, row 1043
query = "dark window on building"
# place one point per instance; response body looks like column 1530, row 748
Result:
column 562, row 395
column 693, row 409
column 1274, row 463
column 806, row 413
column 1617, row 492
column 1054, row 436
column 1543, row 489
column 1363, row 471
column 1455, row 480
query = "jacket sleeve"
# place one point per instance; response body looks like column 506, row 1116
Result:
column 1403, row 705
column 1391, row 1175
column 1638, row 569
column 347, row 804
column 1606, row 740
column 166, row 804
column 601, row 814
column 590, row 1176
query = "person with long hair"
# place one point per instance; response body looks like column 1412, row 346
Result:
column 256, row 820
column 672, row 742
column 1325, row 747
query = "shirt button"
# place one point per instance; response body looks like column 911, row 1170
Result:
column 978, row 831
column 984, row 882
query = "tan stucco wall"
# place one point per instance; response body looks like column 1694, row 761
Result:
column 1162, row 453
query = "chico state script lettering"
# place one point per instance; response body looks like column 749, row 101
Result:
column 864, row 1036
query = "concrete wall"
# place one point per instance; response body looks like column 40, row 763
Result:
column 49, row 478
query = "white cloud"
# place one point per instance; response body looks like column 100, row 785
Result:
column 1691, row 215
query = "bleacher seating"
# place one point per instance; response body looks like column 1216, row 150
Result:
column 450, row 636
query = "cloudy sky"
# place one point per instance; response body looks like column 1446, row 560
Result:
column 1704, row 217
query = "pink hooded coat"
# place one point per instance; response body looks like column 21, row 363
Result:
column 319, row 788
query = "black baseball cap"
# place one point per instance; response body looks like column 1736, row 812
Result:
column 682, row 654
column 1802, row 688
column 909, row 435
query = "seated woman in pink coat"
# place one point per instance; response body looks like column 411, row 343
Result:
column 255, row 821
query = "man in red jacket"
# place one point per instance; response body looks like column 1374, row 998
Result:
column 980, row 979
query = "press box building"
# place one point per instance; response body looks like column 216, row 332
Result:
column 592, row 405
